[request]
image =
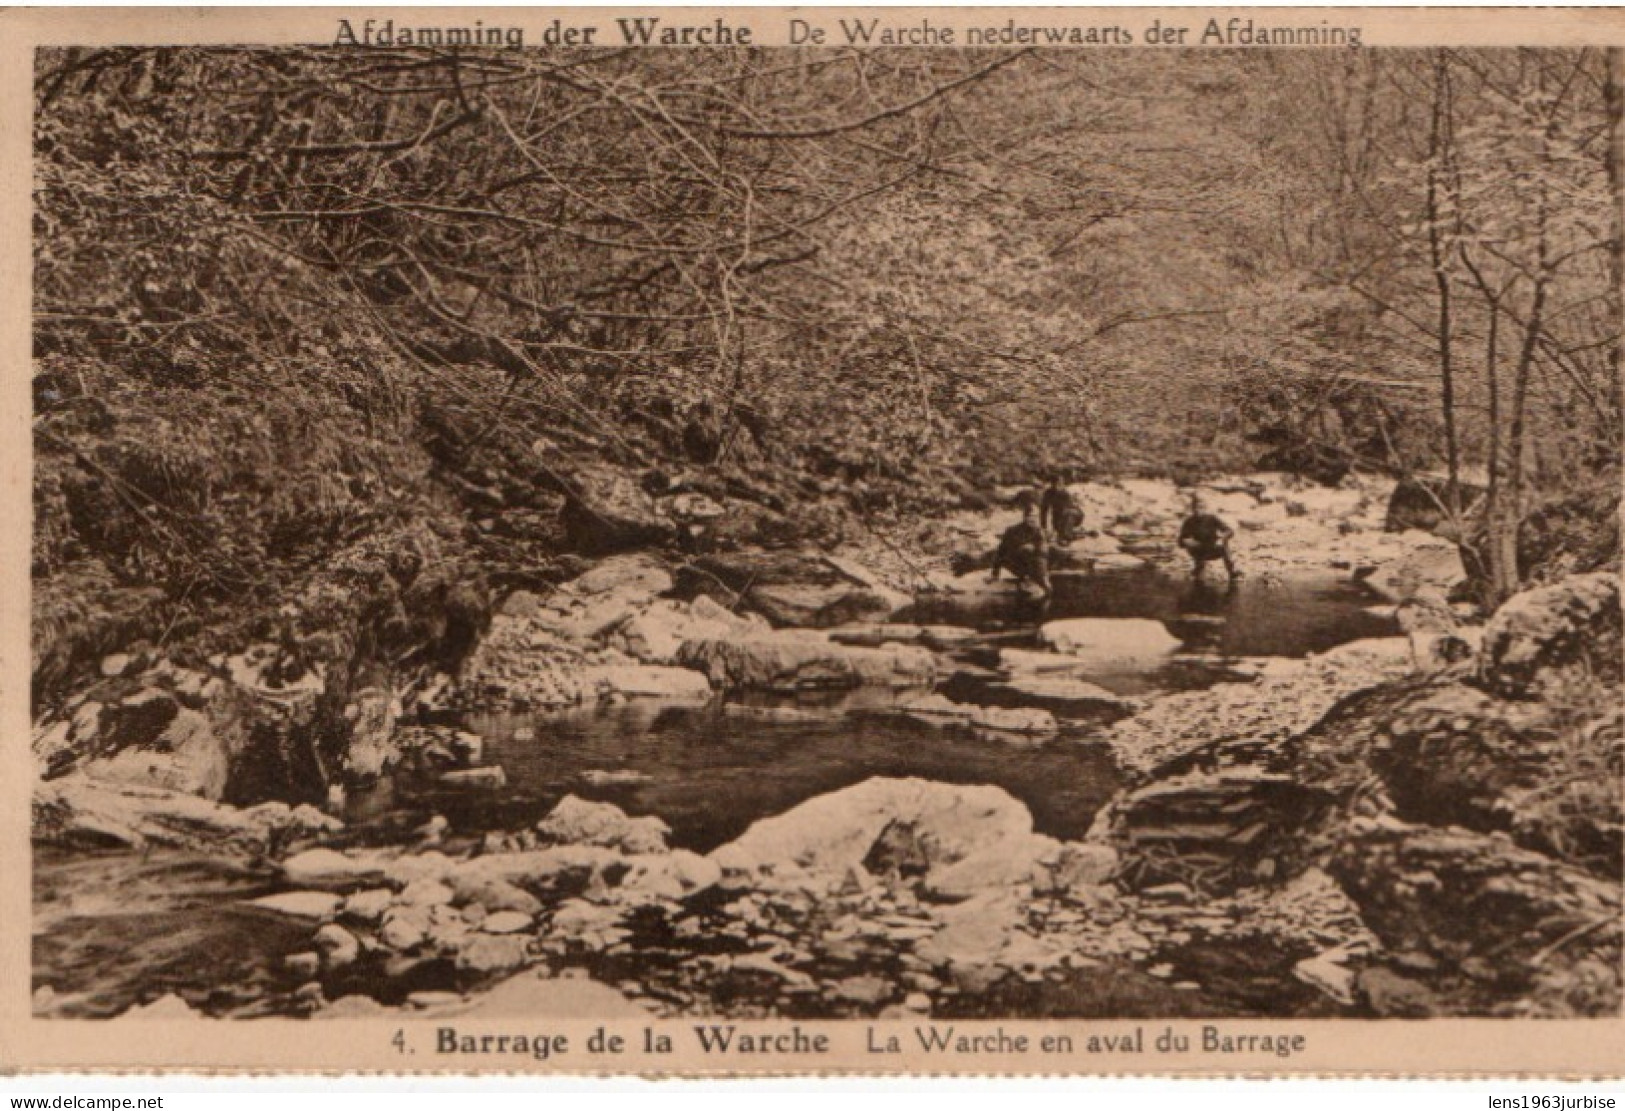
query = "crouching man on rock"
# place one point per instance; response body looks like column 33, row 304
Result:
column 1024, row 551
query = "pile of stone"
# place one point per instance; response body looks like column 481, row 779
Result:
column 792, row 589
column 885, row 897
column 574, row 877
column 1217, row 829
column 560, row 650
column 792, row 660
column 615, row 633
column 1437, row 831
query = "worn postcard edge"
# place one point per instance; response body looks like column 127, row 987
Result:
column 1428, row 1049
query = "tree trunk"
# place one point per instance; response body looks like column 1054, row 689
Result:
column 1501, row 541
column 1504, row 537
column 1437, row 140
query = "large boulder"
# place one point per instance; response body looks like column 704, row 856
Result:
column 1442, row 751
column 1289, row 697
column 546, row 872
column 666, row 876
column 247, row 728
column 1450, row 754
column 1428, row 567
column 1514, row 927
column 795, row 589
column 373, row 713
column 797, row 659
column 1551, row 635
column 521, row 663
column 606, row 511
column 178, row 729
column 186, row 755
column 576, row 821
column 561, row 650
column 951, row 838
column 329, row 868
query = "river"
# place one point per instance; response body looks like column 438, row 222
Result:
column 113, row 929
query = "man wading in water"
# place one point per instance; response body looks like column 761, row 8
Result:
column 1207, row 538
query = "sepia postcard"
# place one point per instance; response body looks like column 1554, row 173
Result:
column 753, row 541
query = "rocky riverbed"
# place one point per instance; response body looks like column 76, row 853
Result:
column 1351, row 826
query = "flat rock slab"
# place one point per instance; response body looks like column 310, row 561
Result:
column 933, row 636
column 489, row 778
column 1431, row 568
column 1109, row 638
column 327, row 868
column 934, row 709
column 578, row 821
column 77, row 809
column 591, row 605
column 1024, row 661
column 300, row 904
column 977, row 584
column 1062, row 689
column 1118, row 561
column 1553, row 634
column 506, row 922
column 649, row 680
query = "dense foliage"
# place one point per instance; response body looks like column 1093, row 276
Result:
column 306, row 309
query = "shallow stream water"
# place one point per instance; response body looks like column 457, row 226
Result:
column 117, row 929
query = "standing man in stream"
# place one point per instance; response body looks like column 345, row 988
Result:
column 1059, row 510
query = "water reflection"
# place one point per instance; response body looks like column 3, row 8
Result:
column 709, row 771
